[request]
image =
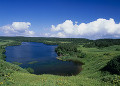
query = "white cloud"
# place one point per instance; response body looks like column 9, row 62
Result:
column 64, row 26
column 101, row 28
column 59, row 34
column 17, row 29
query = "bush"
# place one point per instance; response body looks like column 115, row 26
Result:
column 81, row 55
column 30, row 70
column 113, row 66
column 107, row 54
column 114, row 79
column 65, row 49
column 117, row 49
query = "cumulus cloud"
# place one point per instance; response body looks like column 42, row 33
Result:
column 101, row 28
column 17, row 29
column 59, row 34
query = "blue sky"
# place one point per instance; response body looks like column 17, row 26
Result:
column 41, row 14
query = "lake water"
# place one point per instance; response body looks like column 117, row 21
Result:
column 41, row 58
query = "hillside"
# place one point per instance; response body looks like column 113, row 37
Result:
column 95, row 58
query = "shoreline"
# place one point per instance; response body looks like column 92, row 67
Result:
column 91, row 69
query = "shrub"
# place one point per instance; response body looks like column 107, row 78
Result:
column 81, row 55
column 107, row 54
column 117, row 49
column 30, row 70
column 113, row 66
column 115, row 80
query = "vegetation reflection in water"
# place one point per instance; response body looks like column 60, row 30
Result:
column 41, row 58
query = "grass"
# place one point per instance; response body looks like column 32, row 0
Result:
column 26, row 79
column 91, row 75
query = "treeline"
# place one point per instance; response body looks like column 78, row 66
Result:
column 48, row 40
column 57, row 41
column 103, row 43
column 69, row 50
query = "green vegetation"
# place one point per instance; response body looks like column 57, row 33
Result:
column 113, row 66
column 100, row 43
column 30, row 70
column 6, row 69
column 95, row 54
column 68, row 50
column 16, row 63
column 33, row 62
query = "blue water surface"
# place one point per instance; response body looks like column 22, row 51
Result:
column 44, row 57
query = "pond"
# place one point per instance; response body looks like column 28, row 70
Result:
column 41, row 58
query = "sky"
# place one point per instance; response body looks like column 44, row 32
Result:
column 92, row 19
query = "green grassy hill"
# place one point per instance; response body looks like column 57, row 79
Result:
column 91, row 74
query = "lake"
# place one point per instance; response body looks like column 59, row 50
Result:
column 41, row 58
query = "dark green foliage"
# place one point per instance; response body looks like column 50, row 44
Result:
column 117, row 49
column 55, row 41
column 66, row 49
column 113, row 66
column 107, row 54
column 3, row 56
column 113, row 79
column 107, row 78
column 81, row 55
column 100, row 43
column 30, row 70
column 69, row 50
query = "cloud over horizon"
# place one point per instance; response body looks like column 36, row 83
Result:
column 101, row 28
column 17, row 29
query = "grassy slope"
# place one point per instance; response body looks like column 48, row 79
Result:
column 6, row 68
column 90, row 76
